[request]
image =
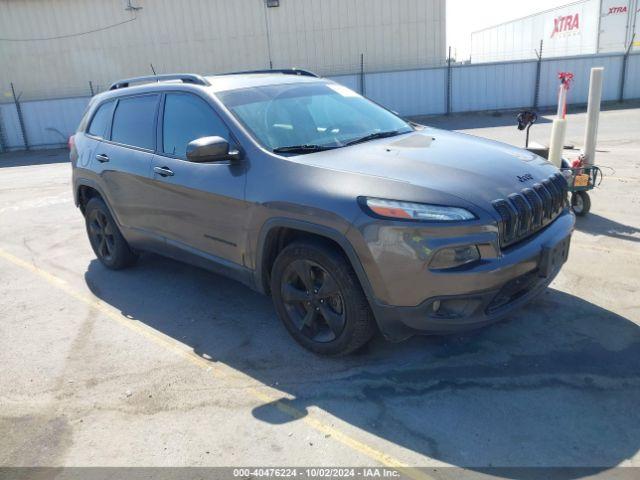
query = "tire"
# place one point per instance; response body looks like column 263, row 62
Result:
column 324, row 309
column 107, row 242
column 580, row 203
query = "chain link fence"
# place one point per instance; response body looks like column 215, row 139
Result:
column 32, row 119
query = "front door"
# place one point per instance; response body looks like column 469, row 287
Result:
column 199, row 207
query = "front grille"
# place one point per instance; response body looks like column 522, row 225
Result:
column 524, row 213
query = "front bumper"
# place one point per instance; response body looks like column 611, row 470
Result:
column 465, row 299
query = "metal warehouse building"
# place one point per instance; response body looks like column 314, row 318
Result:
column 585, row 27
column 55, row 48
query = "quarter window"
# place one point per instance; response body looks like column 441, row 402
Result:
column 101, row 120
column 187, row 118
column 134, row 121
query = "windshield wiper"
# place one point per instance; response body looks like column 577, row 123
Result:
column 310, row 148
column 374, row 136
column 303, row 148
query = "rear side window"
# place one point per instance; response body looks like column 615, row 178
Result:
column 186, row 118
column 134, row 121
column 101, row 119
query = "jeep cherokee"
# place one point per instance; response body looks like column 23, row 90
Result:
column 350, row 217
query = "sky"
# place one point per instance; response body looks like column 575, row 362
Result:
column 466, row 16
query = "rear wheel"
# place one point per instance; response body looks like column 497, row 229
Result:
column 106, row 240
column 580, row 203
column 319, row 299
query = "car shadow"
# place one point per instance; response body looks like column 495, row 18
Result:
column 595, row 224
column 34, row 157
column 556, row 385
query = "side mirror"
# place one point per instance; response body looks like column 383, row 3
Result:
column 210, row 149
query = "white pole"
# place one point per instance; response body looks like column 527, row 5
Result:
column 593, row 113
column 562, row 100
column 558, row 132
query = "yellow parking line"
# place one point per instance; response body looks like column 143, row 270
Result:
column 218, row 370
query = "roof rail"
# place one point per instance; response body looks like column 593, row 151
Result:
column 283, row 71
column 185, row 77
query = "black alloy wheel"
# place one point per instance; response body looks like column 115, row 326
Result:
column 101, row 234
column 107, row 242
column 319, row 299
column 313, row 301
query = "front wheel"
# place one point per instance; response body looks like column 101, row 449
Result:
column 580, row 203
column 319, row 299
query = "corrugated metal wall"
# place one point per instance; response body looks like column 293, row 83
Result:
column 329, row 35
column 632, row 84
column 207, row 36
column 411, row 92
column 494, row 86
column 50, row 121
column 12, row 138
column 580, row 86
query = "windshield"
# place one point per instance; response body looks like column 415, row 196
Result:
column 308, row 117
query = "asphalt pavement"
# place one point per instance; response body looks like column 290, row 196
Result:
column 169, row 365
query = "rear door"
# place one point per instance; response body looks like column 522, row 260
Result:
column 124, row 161
column 199, row 207
column 96, row 131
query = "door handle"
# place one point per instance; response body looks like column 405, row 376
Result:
column 101, row 157
column 163, row 171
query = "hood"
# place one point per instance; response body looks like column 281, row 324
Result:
column 472, row 168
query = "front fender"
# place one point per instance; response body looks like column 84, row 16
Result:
column 322, row 231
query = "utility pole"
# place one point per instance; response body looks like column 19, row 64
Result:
column 267, row 29
column 362, row 88
column 624, row 68
column 449, row 82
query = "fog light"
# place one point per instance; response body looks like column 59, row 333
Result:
column 455, row 307
column 454, row 257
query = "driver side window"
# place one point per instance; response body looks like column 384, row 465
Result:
column 186, row 118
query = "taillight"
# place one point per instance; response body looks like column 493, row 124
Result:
column 71, row 142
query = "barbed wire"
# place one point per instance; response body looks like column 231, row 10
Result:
column 52, row 91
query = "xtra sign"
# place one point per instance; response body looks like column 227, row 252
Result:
column 565, row 24
column 614, row 10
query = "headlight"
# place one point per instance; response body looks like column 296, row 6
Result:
column 417, row 211
column 454, row 257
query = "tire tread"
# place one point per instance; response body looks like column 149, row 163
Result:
column 361, row 325
column 125, row 256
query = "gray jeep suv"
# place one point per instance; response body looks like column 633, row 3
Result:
column 350, row 217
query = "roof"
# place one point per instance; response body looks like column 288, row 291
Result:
column 220, row 83
column 215, row 83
